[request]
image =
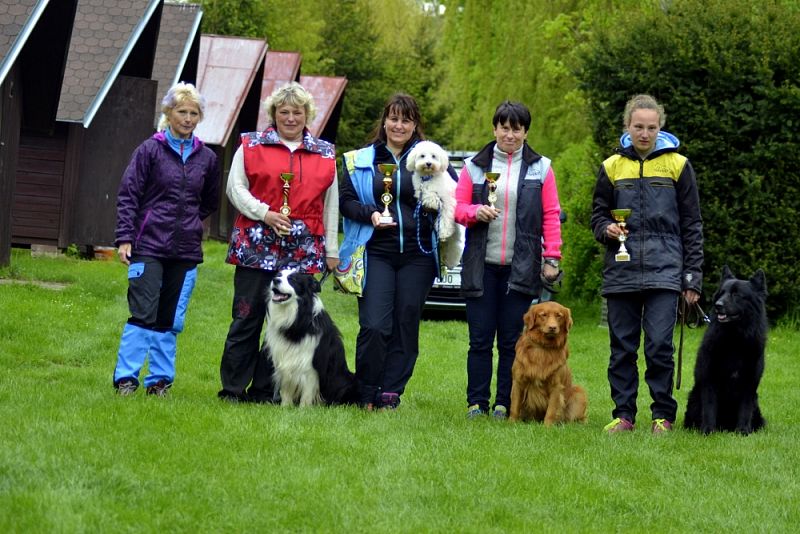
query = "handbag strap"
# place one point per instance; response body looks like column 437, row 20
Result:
column 324, row 277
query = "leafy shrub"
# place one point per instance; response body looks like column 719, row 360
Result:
column 583, row 263
column 728, row 74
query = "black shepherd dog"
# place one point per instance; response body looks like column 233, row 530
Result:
column 305, row 346
column 730, row 360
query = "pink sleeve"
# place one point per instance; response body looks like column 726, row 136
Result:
column 551, row 222
column 465, row 210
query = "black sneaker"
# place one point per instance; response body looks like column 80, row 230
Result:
column 389, row 401
column 126, row 387
column 160, row 388
column 233, row 398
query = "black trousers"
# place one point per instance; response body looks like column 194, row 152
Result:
column 498, row 313
column 655, row 313
column 389, row 314
column 242, row 363
column 154, row 291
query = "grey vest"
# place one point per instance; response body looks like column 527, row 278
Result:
column 527, row 262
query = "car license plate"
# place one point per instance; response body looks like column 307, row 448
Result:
column 451, row 279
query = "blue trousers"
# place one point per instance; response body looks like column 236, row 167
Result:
column 497, row 313
column 655, row 313
column 158, row 296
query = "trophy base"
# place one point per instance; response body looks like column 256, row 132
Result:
column 385, row 219
column 623, row 256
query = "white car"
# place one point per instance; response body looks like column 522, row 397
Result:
column 445, row 294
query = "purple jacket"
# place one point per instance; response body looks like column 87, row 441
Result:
column 162, row 201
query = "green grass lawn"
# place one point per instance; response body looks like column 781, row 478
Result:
column 74, row 457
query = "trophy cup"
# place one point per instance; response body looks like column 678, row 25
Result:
column 287, row 177
column 285, row 209
column 620, row 215
column 387, row 169
column 492, row 177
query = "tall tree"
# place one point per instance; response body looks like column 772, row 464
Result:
column 348, row 41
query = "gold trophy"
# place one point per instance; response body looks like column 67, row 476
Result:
column 285, row 209
column 620, row 215
column 492, row 177
column 287, row 177
column 387, row 169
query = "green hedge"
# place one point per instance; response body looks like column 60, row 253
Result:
column 728, row 74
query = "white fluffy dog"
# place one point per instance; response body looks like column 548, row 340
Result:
column 436, row 191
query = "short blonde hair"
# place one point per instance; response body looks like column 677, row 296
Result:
column 178, row 94
column 643, row 102
column 292, row 94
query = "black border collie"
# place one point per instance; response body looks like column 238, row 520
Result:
column 304, row 345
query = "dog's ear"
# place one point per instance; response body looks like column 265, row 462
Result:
column 759, row 281
column 443, row 158
column 529, row 318
column 567, row 318
column 726, row 273
column 315, row 286
column 411, row 160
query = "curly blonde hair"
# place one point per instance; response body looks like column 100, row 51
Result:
column 292, row 94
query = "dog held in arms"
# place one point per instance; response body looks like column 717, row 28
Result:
column 730, row 360
column 436, row 191
column 541, row 387
column 304, row 345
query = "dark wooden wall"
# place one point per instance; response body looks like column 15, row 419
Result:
column 124, row 120
column 39, row 188
column 10, row 112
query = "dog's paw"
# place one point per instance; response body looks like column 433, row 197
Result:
column 430, row 200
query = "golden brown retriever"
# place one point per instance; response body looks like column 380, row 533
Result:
column 541, row 387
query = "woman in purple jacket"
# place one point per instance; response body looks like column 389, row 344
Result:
column 171, row 185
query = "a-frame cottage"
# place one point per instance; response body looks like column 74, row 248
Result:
column 82, row 72
column 229, row 73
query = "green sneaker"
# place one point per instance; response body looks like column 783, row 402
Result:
column 475, row 411
column 500, row 412
column 618, row 425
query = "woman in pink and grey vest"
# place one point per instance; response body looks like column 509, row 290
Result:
column 510, row 246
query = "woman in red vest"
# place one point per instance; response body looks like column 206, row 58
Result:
column 264, row 240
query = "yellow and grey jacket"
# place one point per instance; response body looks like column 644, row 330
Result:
column 665, row 238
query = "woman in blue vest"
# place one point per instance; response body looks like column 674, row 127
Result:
column 401, row 262
column 510, row 246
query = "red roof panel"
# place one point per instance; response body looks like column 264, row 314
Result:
column 226, row 70
column 327, row 91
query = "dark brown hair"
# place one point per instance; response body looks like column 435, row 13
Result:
column 405, row 106
column 515, row 113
